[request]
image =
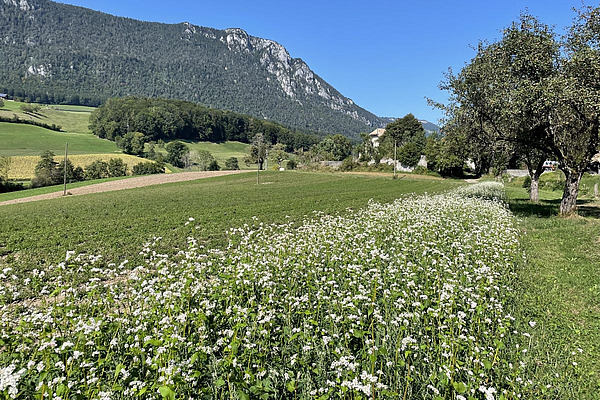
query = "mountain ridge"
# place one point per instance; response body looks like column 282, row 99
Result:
column 54, row 49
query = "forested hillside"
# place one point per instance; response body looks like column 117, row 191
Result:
column 160, row 119
column 57, row 53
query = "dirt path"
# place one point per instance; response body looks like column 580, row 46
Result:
column 129, row 183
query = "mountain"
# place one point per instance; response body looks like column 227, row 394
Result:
column 61, row 53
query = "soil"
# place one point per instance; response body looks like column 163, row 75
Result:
column 131, row 183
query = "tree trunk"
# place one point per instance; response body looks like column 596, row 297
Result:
column 534, row 194
column 568, row 204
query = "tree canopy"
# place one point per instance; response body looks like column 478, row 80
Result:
column 532, row 95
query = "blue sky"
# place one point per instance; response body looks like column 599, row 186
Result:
column 385, row 55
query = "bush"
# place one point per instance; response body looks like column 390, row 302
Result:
column 291, row 164
column 348, row 164
column 527, row 183
column 148, row 168
column 96, row 170
column 420, row 170
column 116, row 167
column 213, row 166
column 232, row 163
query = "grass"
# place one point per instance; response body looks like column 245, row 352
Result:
column 560, row 291
column 73, row 119
column 22, row 168
column 29, row 140
column 116, row 224
column 20, row 194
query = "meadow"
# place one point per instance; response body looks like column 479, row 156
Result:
column 405, row 299
column 301, row 287
column 559, row 287
column 73, row 119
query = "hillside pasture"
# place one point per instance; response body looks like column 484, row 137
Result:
column 29, row 140
column 73, row 119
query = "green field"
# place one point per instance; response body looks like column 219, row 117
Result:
column 29, row 140
column 559, row 289
column 116, row 224
column 73, row 119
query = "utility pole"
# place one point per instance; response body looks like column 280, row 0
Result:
column 258, row 172
column 65, row 168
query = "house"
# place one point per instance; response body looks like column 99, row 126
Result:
column 376, row 135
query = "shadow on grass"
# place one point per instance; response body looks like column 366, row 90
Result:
column 549, row 207
column 543, row 209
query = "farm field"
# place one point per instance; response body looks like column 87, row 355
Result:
column 30, row 140
column 23, row 167
column 312, row 303
column 547, row 304
column 73, row 119
column 116, row 224
column 19, row 194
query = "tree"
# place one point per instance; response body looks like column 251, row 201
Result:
column 278, row 154
column 409, row 154
column 46, row 171
column 537, row 93
column 203, row 159
column 335, row 148
column 132, row 143
column 405, row 130
column 257, row 153
column 176, row 153
column 232, row 163
column 408, row 135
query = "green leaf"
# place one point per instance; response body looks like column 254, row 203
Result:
column 487, row 364
column 460, row 387
column 220, row 382
column 291, row 385
column 166, row 392
column 243, row 395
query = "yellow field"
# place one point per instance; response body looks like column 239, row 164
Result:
column 23, row 167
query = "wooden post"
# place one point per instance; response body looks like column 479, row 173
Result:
column 395, row 161
column 65, row 168
column 258, row 172
column 595, row 190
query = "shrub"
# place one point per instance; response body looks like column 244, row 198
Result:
column 148, row 168
column 213, row 166
column 421, row 170
column 348, row 164
column 116, row 167
column 291, row 164
column 232, row 163
column 96, row 170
